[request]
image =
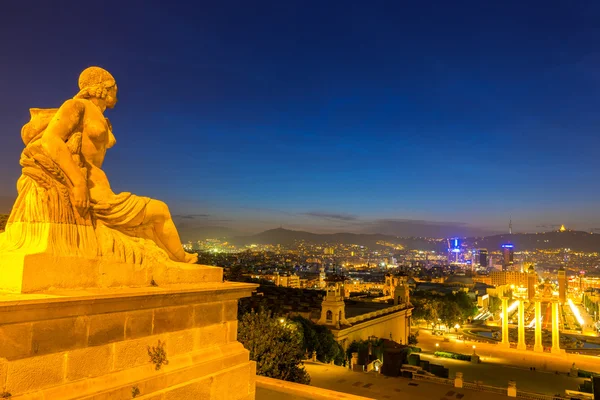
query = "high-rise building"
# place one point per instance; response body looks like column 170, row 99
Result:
column 482, row 257
column 562, row 285
column 454, row 251
column 508, row 257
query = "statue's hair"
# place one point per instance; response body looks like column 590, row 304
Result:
column 94, row 82
column 98, row 91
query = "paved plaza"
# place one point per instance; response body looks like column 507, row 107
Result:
column 499, row 365
column 377, row 386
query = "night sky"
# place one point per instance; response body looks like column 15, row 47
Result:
column 436, row 118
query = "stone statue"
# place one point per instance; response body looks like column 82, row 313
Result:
column 65, row 205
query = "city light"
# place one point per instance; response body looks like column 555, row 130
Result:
column 575, row 311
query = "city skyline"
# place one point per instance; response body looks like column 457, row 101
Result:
column 393, row 120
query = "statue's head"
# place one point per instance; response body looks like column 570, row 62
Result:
column 98, row 83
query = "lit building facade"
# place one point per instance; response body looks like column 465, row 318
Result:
column 508, row 258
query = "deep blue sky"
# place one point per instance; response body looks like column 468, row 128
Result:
column 326, row 115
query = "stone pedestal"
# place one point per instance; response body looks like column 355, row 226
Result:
column 36, row 273
column 160, row 343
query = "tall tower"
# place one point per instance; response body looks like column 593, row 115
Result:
column 562, row 285
column 483, row 257
column 333, row 308
column 510, row 226
column 401, row 293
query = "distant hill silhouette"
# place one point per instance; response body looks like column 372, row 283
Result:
column 286, row 237
column 575, row 240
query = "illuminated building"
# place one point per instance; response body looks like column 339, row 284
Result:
column 292, row 281
column 482, row 257
column 516, row 278
column 508, row 257
column 562, row 228
column 453, row 251
column 562, row 285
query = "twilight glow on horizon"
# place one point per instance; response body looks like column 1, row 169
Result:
column 445, row 119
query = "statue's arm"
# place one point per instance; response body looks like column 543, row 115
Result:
column 66, row 122
column 54, row 139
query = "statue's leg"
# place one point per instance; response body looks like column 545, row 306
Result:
column 158, row 215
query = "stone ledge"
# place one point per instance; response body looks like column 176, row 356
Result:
column 19, row 308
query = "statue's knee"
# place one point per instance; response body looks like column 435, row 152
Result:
column 160, row 211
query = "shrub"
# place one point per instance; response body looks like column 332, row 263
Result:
column 586, row 374
column 454, row 356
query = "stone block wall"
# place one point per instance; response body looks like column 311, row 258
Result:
column 99, row 343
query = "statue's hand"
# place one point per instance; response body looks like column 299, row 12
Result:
column 81, row 199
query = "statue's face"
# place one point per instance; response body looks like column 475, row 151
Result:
column 111, row 97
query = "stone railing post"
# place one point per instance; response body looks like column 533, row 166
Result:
column 353, row 361
column 458, row 380
column 512, row 389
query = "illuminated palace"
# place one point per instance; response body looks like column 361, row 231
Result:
column 364, row 320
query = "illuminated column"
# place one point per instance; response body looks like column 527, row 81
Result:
column 538, row 328
column 521, row 344
column 505, row 341
column 555, row 333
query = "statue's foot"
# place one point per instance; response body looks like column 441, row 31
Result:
column 191, row 258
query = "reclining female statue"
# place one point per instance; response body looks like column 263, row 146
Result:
column 65, row 204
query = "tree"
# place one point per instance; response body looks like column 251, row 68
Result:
column 275, row 344
column 320, row 339
column 450, row 313
column 413, row 338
